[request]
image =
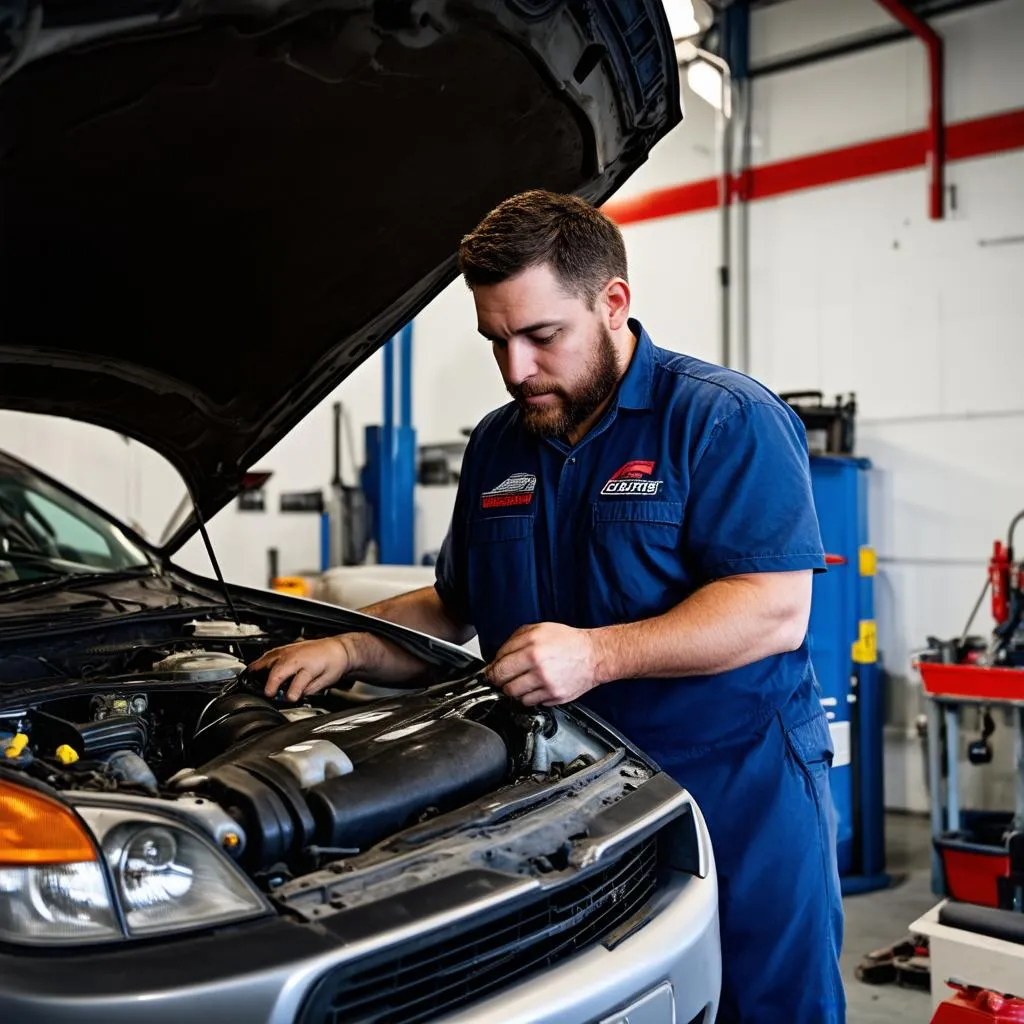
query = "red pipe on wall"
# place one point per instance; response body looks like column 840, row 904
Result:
column 936, row 122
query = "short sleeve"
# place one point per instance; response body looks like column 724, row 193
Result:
column 449, row 571
column 450, row 568
column 750, row 507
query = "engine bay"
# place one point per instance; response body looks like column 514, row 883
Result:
column 284, row 789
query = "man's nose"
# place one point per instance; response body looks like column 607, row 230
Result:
column 519, row 361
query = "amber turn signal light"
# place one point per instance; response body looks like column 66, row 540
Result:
column 37, row 830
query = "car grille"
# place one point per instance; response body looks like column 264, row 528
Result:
column 411, row 983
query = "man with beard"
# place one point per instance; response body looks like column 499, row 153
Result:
column 635, row 531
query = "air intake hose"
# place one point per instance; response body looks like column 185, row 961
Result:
column 443, row 764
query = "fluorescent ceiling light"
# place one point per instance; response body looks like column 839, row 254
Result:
column 681, row 18
column 706, row 82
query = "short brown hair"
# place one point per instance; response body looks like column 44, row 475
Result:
column 581, row 245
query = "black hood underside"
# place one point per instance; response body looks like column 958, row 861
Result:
column 209, row 220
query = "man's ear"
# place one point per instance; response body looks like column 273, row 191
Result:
column 616, row 298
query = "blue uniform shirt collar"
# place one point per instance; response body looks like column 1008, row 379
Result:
column 637, row 388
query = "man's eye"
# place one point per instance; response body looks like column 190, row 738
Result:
column 545, row 340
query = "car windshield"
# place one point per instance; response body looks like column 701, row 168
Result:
column 46, row 533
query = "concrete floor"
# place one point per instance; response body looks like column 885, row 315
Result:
column 879, row 919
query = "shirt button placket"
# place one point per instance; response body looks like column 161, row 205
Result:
column 563, row 544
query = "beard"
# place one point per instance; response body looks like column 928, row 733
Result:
column 577, row 401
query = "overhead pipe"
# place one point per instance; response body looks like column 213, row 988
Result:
column 688, row 53
column 725, row 134
column 936, row 121
column 858, row 43
column 736, row 45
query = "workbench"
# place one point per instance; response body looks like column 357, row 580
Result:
column 950, row 687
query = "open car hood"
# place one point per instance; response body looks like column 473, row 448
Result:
column 210, row 215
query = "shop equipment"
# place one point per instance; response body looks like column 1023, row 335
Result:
column 844, row 653
column 830, row 428
column 979, row 857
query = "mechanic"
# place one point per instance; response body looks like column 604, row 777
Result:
column 635, row 531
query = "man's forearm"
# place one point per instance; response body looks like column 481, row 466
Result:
column 376, row 660
column 723, row 626
column 310, row 666
column 423, row 611
column 372, row 659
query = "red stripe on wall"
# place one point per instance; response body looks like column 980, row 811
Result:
column 984, row 136
column 987, row 135
column 665, row 202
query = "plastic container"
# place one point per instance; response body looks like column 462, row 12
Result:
column 976, row 857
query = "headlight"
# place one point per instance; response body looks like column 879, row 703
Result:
column 149, row 876
column 167, row 878
column 56, row 903
column 52, row 886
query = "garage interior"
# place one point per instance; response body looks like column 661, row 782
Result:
column 839, row 214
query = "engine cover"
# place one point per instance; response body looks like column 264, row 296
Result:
column 439, row 766
column 343, row 781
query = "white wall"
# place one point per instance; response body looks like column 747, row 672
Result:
column 853, row 288
column 805, row 24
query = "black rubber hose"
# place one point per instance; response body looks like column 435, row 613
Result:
column 1013, row 526
column 970, row 619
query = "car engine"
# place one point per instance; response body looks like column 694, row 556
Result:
column 282, row 788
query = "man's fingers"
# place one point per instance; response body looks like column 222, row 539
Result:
column 303, row 668
column 522, row 686
column 320, row 682
column 520, row 640
column 281, row 670
column 268, row 659
column 518, row 655
column 300, row 683
column 510, row 666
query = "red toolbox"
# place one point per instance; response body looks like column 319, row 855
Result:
column 975, row 858
column 972, row 1005
column 972, row 871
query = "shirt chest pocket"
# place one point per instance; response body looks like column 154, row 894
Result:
column 501, row 577
column 635, row 560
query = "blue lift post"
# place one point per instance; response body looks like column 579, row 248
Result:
column 389, row 476
column 845, row 658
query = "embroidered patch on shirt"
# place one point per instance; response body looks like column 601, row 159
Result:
column 633, row 478
column 516, row 490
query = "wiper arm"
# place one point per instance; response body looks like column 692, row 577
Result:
column 23, row 557
column 73, row 580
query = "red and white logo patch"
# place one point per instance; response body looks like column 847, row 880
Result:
column 633, row 478
column 516, row 490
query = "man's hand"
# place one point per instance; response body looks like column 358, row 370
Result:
column 311, row 665
column 545, row 664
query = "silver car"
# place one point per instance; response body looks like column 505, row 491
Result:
column 212, row 213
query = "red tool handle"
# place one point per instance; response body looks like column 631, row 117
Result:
column 999, row 577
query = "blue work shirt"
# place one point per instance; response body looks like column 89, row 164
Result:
column 693, row 474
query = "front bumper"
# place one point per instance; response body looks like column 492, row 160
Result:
column 679, row 945
column 266, row 971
